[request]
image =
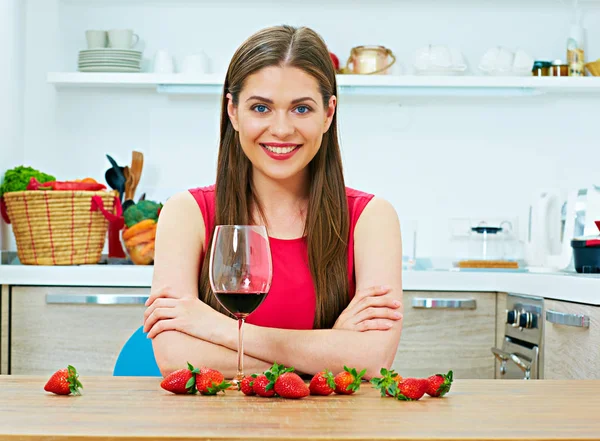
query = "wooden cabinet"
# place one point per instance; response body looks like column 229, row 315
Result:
column 571, row 341
column 4, row 329
column 52, row 327
column 447, row 330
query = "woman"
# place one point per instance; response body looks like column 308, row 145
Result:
column 336, row 295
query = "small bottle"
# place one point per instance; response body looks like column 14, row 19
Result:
column 575, row 53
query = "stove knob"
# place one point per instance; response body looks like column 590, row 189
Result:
column 511, row 317
column 527, row 320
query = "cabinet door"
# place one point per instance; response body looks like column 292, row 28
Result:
column 571, row 341
column 86, row 327
column 445, row 331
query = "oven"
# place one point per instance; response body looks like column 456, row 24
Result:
column 521, row 354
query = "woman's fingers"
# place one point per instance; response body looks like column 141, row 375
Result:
column 380, row 301
column 159, row 303
column 375, row 325
column 160, row 295
column 371, row 291
column 161, row 326
column 159, row 314
column 372, row 313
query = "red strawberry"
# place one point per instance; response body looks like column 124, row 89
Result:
column 246, row 385
column 260, row 385
column 439, row 385
column 388, row 383
column 182, row 381
column 348, row 381
column 411, row 389
column 210, row 381
column 290, row 385
column 322, row 383
column 64, row 382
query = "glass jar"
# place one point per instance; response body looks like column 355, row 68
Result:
column 541, row 68
column 559, row 69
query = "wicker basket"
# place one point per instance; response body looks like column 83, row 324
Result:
column 60, row 227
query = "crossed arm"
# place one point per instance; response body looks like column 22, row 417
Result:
column 183, row 328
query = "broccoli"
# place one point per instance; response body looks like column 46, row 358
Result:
column 141, row 211
column 18, row 178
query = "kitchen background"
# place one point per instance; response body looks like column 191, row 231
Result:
column 435, row 158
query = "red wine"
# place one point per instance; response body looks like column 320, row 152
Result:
column 240, row 304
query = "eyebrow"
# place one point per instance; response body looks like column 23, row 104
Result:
column 267, row 100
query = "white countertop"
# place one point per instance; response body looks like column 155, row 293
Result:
column 581, row 288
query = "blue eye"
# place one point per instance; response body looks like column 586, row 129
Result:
column 260, row 108
column 305, row 109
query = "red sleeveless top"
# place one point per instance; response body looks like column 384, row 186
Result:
column 291, row 301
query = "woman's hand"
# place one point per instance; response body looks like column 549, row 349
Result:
column 188, row 315
column 370, row 309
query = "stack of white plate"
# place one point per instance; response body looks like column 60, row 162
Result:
column 109, row 60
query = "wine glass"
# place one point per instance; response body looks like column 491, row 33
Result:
column 240, row 273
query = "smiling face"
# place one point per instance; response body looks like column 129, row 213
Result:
column 281, row 119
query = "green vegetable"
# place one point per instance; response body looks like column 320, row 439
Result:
column 18, row 178
column 141, row 211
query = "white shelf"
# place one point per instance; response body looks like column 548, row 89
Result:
column 349, row 84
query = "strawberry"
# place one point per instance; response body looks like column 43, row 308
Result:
column 260, row 385
column 210, row 381
column 64, row 382
column 290, row 385
column 411, row 389
column 246, row 385
column 439, row 385
column 388, row 383
column 322, row 383
column 348, row 381
column 182, row 381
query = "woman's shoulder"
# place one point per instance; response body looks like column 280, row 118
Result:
column 353, row 194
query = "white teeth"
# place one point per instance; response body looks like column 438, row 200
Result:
column 279, row 150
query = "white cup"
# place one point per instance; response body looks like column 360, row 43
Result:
column 122, row 38
column 504, row 60
column 440, row 56
column 96, row 39
column 195, row 64
column 163, row 62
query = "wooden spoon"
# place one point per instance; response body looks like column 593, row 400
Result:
column 137, row 164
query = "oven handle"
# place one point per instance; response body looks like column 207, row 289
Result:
column 429, row 303
column 560, row 318
column 521, row 361
column 96, row 299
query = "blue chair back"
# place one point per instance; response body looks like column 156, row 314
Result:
column 136, row 358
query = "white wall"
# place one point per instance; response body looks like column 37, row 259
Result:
column 433, row 158
column 12, row 25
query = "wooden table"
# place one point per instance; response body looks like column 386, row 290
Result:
column 121, row 408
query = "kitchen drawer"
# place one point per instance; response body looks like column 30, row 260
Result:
column 571, row 341
column 52, row 327
column 447, row 330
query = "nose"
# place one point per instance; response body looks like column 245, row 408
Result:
column 281, row 126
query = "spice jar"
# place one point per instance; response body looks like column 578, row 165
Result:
column 541, row 68
column 559, row 69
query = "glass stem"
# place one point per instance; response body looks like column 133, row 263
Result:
column 240, row 369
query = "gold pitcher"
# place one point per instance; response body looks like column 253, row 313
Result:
column 369, row 60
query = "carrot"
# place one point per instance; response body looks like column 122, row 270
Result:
column 143, row 237
column 148, row 248
column 135, row 229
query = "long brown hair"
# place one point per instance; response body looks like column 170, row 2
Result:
column 327, row 222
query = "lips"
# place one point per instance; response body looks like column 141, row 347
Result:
column 280, row 151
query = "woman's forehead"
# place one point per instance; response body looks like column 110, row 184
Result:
column 280, row 84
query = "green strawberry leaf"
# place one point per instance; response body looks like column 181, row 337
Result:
column 330, row 379
column 216, row 388
column 73, row 379
column 191, row 385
